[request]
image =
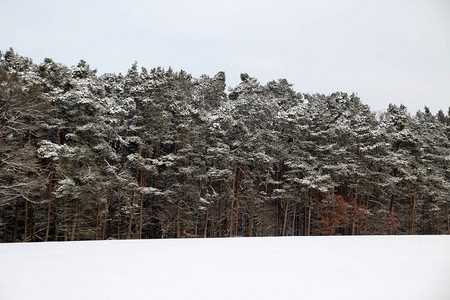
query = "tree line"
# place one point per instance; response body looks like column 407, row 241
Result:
column 161, row 154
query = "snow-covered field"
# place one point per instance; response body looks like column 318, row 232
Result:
column 377, row 267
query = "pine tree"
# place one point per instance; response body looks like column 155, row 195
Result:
column 24, row 111
column 434, row 190
column 405, row 168
column 158, row 153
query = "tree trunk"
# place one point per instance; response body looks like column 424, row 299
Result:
column 250, row 225
column 448, row 218
column 118, row 228
column 178, row 220
column 286, row 207
column 141, row 206
column 220, row 225
column 25, row 233
column 130, row 223
column 391, row 215
column 58, row 137
column 309, row 221
column 355, row 208
column 32, row 223
column 55, row 221
column 205, row 234
column 109, row 205
column 235, row 184
column 278, row 204
column 308, row 217
column 49, row 206
column 97, row 219
column 66, row 238
column 264, row 203
column 16, row 221
column 413, row 212
column 293, row 219
column 74, row 224
column 237, row 203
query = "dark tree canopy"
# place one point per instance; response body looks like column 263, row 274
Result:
column 159, row 154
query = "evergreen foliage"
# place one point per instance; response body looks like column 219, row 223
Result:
column 160, row 154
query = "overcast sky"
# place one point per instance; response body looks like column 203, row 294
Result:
column 386, row 51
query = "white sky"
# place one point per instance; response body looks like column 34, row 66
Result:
column 386, row 51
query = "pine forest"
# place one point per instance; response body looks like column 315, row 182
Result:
column 161, row 154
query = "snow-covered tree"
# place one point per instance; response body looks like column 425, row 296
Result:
column 159, row 153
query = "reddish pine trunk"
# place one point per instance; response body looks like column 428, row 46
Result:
column 286, row 207
column 355, row 212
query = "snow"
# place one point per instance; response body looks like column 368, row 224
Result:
column 376, row 267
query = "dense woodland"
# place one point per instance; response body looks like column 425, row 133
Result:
column 161, row 154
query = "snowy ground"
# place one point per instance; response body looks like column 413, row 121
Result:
column 380, row 267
